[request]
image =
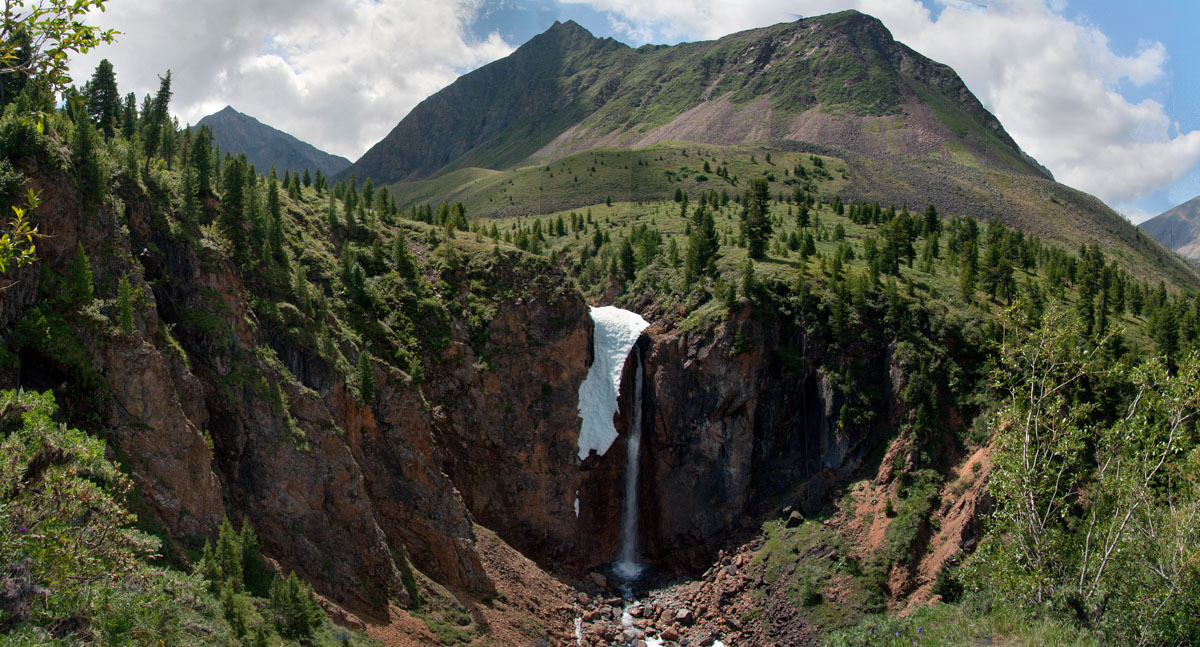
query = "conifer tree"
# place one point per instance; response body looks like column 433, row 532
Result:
column 366, row 378
column 125, row 296
column 80, row 283
column 90, row 172
column 103, row 101
column 154, row 117
column 129, row 117
column 756, row 219
column 702, row 250
column 201, row 158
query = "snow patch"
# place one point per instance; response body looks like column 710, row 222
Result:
column 616, row 333
column 653, row 642
column 576, row 504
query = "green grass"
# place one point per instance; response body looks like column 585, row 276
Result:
column 951, row 625
column 593, row 176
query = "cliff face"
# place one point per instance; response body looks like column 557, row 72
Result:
column 216, row 414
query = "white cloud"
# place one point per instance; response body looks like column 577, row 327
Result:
column 338, row 74
column 1050, row 80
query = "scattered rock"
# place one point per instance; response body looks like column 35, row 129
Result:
column 684, row 617
column 794, row 520
column 599, row 580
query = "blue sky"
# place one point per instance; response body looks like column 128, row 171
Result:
column 1105, row 93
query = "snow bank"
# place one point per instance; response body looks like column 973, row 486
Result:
column 616, row 332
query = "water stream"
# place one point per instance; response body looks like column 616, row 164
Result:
column 627, row 566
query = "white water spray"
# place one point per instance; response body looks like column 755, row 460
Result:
column 627, row 566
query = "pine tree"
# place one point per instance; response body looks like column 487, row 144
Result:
column 80, row 284
column 756, row 218
column 89, row 169
column 628, row 266
column 702, row 252
column 129, row 117
column 157, row 119
column 366, row 378
column 294, row 608
column 125, row 296
column 103, row 101
column 200, row 156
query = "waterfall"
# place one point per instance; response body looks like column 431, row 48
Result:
column 627, row 566
column 616, row 335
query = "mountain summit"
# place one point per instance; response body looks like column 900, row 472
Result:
column 838, row 80
column 265, row 146
column 907, row 129
column 1178, row 228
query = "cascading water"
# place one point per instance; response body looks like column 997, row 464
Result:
column 616, row 335
column 627, row 566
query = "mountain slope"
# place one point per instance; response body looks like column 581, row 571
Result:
column 905, row 129
column 1178, row 228
column 836, row 80
column 265, row 146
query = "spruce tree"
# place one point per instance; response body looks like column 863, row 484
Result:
column 80, row 283
column 366, row 378
column 756, row 218
column 157, row 119
column 125, row 296
column 103, row 101
column 89, row 169
column 129, row 117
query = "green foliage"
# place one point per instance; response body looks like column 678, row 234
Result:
column 64, row 529
column 80, row 286
column 91, row 172
column 37, row 38
column 949, row 625
column 366, row 379
column 294, row 609
column 1096, row 508
column 756, row 220
column 125, row 298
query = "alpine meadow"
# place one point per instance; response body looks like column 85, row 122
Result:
column 774, row 339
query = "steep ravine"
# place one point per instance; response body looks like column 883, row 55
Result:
column 217, row 415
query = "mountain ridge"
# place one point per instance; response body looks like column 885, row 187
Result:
column 267, row 147
column 1178, row 228
column 826, row 80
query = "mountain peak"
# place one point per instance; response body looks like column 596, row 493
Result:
column 265, row 146
column 568, row 27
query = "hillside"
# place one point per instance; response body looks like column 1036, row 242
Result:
column 905, row 129
column 236, row 411
column 1178, row 228
column 839, row 80
column 267, row 147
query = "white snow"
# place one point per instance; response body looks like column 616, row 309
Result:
column 579, row 631
column 616, row 332
column 651, row 641
column 576, row 504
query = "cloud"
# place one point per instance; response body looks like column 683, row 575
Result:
column 1050, row 80
column 338, row 74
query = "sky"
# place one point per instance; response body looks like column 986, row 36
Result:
column 1105, row 93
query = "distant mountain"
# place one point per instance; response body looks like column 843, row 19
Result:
column 265, row 146
column 837, row 80
column 908, row 129
column 1178, row 228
